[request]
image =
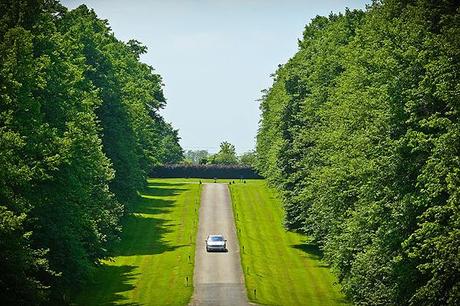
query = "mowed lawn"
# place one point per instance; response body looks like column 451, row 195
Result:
column 279, row 265
column 156, row 253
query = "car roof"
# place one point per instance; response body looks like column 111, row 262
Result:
column 215, row 236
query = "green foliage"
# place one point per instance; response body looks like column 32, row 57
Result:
column 248, row 159
column 21, row 264
column 201, row 157
column 78, row 118
column 225, row 156
column 134, row 135
column 171, row 151
column 360, row 133
column 196, row 157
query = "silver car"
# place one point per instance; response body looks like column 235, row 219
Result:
column 216, row 243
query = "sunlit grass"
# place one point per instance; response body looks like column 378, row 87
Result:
column 280, row 267
column 152, row 262
column 156, row 254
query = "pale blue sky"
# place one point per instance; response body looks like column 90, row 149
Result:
column 214, row 56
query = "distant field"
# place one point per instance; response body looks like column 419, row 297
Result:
column 151, row 265
column 280, row 266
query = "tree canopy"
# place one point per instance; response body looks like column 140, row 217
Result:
column 360, row 132
column 225, row 156
column 196, row 157
column 79, row 129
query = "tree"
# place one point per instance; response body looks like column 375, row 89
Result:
column 248, row 159
column 79, row 128
column 134, row 136
column 360, row 133
column 21, row 264
column 172, row 151
column 225, row 156
column 196, row 156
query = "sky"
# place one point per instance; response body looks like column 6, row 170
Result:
column 215, row 57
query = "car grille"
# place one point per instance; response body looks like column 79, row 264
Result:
column 216, row 246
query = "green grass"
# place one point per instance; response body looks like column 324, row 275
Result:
column 280, row 265
column 152, row 261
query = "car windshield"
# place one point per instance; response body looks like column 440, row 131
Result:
column 217, row 238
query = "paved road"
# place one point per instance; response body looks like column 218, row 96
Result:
column 218, row 277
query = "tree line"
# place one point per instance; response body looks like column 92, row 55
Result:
column 360, row 132
column 226, row 156
column 225, row 164
column 79, row 130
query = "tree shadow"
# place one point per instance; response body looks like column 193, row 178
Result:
column 152, row 190
column 108, row 286
column 168, row 184
column 342, row 301
column 143, row 230
column 311, row 250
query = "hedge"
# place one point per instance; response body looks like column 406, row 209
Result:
column 205, row 171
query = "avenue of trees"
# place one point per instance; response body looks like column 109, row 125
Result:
column 79, row 129
column 360, row 132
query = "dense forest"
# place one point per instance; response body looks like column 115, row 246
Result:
column 360, row 132
column 79, row 129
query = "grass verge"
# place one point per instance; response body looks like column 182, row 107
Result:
column 280, row 267
column 156, row 253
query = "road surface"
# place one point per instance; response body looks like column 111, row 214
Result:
column 218, row 277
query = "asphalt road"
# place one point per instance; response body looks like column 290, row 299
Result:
column 218, row 277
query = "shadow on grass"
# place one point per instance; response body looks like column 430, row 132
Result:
column 154, row 190
column 108, row 286
column 143, row 230
column 143, row 234
column 342, row 301
column 311, row 250
column 167, row 184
